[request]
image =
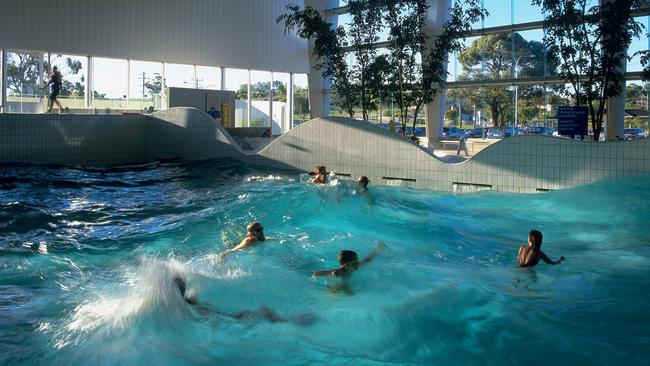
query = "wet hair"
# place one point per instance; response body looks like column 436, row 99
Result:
column 364, row 180
column 535, row 237
column 251, row 227
column 348, row 256
column 319, row 168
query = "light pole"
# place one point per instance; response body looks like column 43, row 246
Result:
column 517, row 90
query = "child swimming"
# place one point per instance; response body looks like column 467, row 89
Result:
column 349, row 261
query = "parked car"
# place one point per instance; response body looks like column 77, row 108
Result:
column 495, row 133
column 634, row 133
column 453, row 132
column 538, row 130
column 478, row 132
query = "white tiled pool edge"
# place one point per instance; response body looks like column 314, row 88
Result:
column 349, row 147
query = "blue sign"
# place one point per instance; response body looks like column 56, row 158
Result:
column 572, row 120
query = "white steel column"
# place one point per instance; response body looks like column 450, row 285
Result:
column 271, row 104
column 128, row 82
column 248, row 104
column 3, row 80
column 615, row 115
column 319, row 98
column 196, row 80
column 434, row 111
column 163, row 94
column 290, row 102
column 88, row 82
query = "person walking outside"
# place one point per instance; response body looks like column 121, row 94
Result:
column 55, row 81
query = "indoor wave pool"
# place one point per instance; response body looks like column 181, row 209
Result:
column 90, row 261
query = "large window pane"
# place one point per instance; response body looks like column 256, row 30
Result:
column 145, row 84
column 468, row 64
column 280, row 106
column 638, row 44
column 179, row 76
column 110, row 83
column 500, row 12
column 237, row 81
column 301, row 111
column 525, row 12
column 208, row 77
column 260, row 85
column 72, row 69
column 24, row 83
column 528, row 55
column 636, row 109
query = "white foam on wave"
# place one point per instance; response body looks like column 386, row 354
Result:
column 259, row 178
column 151, row 287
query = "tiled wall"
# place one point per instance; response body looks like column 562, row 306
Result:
column 349, row 147
column 71, row 139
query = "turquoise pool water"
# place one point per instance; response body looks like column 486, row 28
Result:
column 100, row 290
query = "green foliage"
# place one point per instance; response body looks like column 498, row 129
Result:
column 591, row 41
column 301, row 102
column 495, row 57
column 451, row 114
column 154, row 86
column 419, row 84
column 22, row 74
column 328, row 48
column 414, row 69
column 637, row 122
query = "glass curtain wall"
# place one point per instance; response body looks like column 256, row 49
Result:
column 145, row 85
column 73, row 70
column 180, row 76
column 208, row 77
column 237, row 81
column 24, row 87
column 260, row 97
column 280, row 108
column 301, row 111
column 485, row 73
column 110, row 84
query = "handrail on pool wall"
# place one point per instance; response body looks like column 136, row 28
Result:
column 516, row 164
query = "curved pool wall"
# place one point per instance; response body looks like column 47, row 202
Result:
column 345, row 146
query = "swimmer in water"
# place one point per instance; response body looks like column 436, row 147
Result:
column 530, row 255
column 349, row 261
column 255, row 235
column 363, row 185
column 263, row 311
column 321, row 175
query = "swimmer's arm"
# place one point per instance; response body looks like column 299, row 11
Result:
column 375, row 252
column 328, row 272
column 244, row 243
column 548, row 260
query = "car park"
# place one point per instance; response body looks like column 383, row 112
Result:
column 452, row 132
column 538, row 130
column 634, row 133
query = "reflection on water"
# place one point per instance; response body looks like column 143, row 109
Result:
column 89, row 258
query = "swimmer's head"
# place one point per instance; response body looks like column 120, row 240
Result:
column 320, row 169
column 535, row 239
column 256, row 230
column 349, row 259
column 364, row 181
